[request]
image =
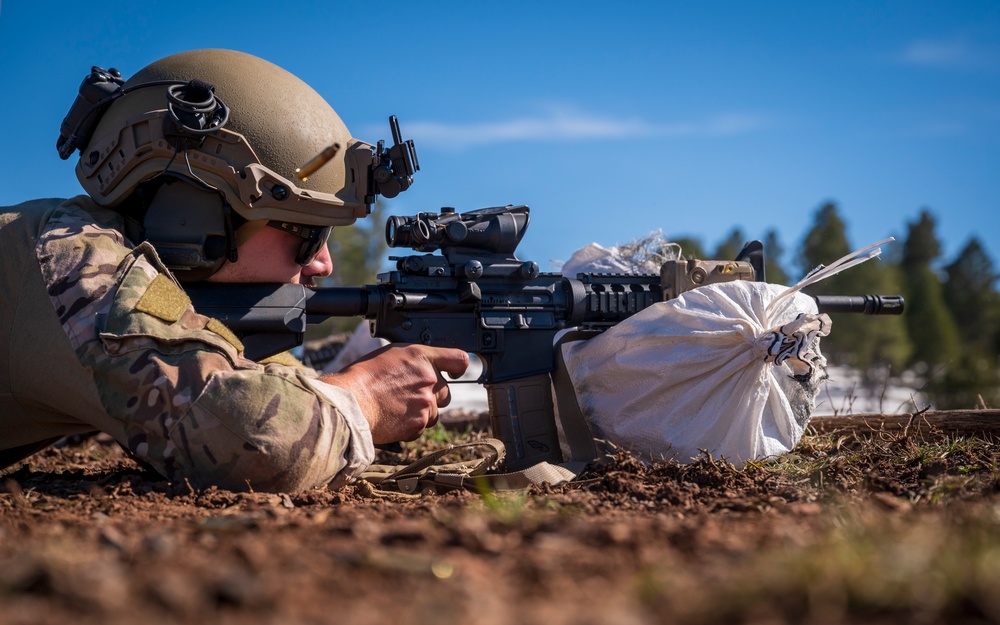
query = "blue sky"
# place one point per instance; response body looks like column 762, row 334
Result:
column 610, row 122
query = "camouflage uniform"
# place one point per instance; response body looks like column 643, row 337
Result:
column 96, row 334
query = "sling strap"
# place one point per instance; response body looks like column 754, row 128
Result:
column 428, row 475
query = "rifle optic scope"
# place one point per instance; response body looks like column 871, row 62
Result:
column 495, row 230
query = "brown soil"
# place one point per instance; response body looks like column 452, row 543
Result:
column 846, row 529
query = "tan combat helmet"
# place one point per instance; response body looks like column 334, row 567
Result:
column 226, row 124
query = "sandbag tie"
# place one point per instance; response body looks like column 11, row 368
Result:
column 795, row 343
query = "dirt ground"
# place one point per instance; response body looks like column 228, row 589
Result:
column 849, row 528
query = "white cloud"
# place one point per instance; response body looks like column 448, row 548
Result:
column 949, row 53
column 559, row 124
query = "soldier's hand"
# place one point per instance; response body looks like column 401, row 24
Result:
column 400, row 388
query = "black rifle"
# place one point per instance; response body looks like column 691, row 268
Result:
column 478, row 297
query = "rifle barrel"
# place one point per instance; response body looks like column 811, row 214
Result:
column 864, row 304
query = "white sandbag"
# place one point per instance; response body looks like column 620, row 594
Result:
column 708, row 370
column 731, row 369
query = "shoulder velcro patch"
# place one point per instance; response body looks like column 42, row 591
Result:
column 220, row 328
column 163, row 299
column 283, row 358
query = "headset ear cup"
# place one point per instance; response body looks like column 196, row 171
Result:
column 187, row 225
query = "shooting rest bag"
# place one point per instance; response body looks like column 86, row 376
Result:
column 731, row 369
column 713, row 370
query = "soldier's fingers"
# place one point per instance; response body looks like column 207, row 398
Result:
column 448, row 360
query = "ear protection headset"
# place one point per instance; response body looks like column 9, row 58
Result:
column 193, row 112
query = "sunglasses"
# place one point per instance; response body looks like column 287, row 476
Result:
column 313, row 239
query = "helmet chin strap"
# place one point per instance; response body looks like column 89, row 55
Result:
column 227, row 221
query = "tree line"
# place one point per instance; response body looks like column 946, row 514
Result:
column 949, row 334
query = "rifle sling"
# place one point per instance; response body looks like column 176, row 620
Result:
column 575, row 429
column 425, row 475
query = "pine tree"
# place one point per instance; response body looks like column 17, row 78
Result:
column 730, row 247
column 969, row 293
column 931, row 328
column 971, row 297
column 773, row 251
column 921, row 247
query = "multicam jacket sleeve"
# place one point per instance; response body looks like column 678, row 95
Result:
column 177, row 390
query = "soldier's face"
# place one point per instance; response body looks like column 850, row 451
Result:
column 269, row 256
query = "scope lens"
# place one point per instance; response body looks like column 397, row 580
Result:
column 415, row 232
column 392, row 227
